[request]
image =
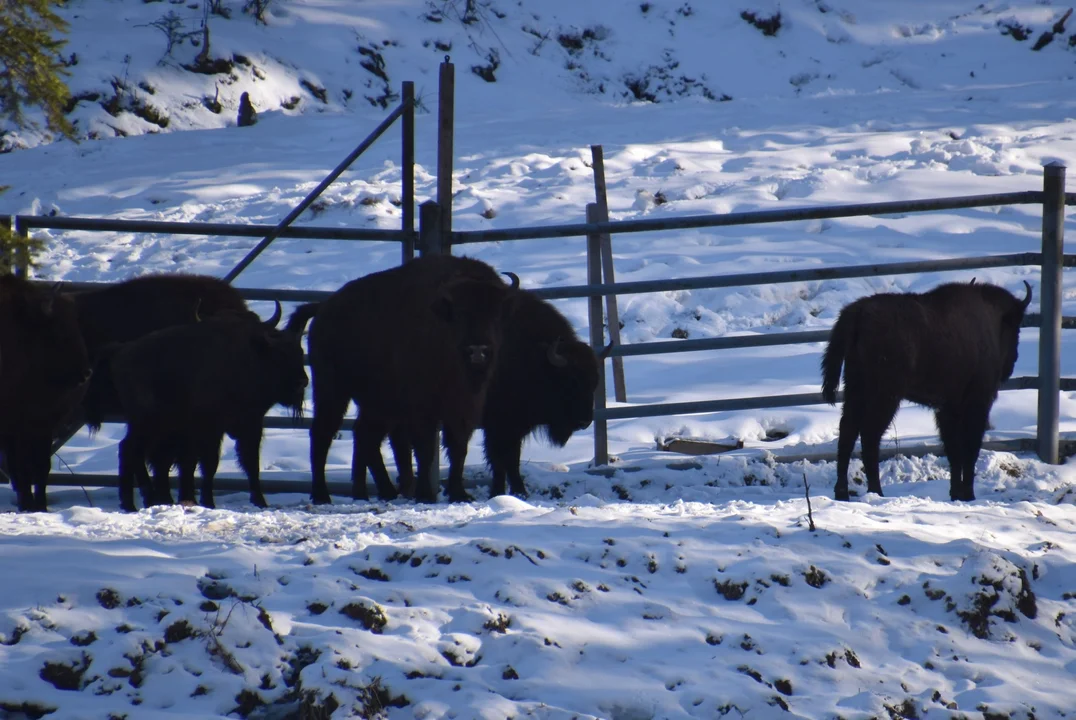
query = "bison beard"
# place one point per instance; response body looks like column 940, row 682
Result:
column 413, row 346
column 543, row 382
column 948, row 349
column 45, row 373
column 183, row 388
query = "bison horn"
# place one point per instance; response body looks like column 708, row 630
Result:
column 514, row 278
column 1027, row 299
column 972, row 281
column 606, row 351
column 553, row 353
column 273, row 321
column 197, row 307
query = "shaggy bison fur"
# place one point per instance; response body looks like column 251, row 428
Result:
column 543, row 382
column 948, row 349
column 44, row 376
column 414, row 347
column 183, row 388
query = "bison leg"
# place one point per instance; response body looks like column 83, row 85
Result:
column 132, row 461
column 248, row 442
column 20, row 483
column 427, row 486
column 876, row 419
column 358, row 468
column 456, row 446
column 976, row 420
column 38, row 456
column 366, row 453
column 209, row 459
column 949, row 428
column 329, row 409
column 851, row 422
column 503, row 455
column 161, row 459
column 401, row 455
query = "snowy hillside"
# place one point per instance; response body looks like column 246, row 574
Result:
column 673, row 587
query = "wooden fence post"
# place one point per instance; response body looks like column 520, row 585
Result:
column 1053, row 245
column 408, row 180
column 620, row 390
column 597, row 338
column 445, row 131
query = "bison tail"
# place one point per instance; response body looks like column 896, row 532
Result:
column 840, row 340
column 301, row 316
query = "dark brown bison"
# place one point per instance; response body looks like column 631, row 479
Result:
column 543, row 382
column 948, row 349
column 132, row 309
column 183, row 388
column 413, row 346
column 44, row 375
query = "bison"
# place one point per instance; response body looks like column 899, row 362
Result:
column 543, row 382
column 413, row 346
column 183, row 388
column 132, row 309
column 948, row 349
column 45, row 372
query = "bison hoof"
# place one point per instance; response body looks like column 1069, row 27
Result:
column 459, row 496
column 320, row 499
column 425, row 499
column 841, row 495
column 258, row 501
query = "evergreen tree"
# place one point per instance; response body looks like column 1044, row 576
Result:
column 16, row 250
column 31, row 69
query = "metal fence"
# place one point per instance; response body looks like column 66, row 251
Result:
column 432, row 239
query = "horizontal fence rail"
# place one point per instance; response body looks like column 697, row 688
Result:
column 307, row 232
column 758, row 217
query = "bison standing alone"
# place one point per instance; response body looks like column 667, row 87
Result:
column 948, row 349
column 44, row 376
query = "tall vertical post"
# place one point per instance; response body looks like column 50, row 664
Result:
column 446, row 102
column 408, row 161
column 597, row 337
column 620, row 390
column 21, row 261
column 1053, row 244
column 430, row 237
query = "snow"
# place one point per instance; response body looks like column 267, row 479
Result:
column 670, row 587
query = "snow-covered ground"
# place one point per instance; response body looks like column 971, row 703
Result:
column 849, row 102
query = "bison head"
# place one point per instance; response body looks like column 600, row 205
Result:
column 49, row 322
column 1011, row 320
column 572, row 369
column 280, row 357
column 472, row 311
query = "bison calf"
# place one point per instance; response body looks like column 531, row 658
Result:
column 183, row 388
column 948, row 349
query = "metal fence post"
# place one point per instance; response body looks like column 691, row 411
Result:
column 431, row 242
column 446, row 109
column 597, row 337
column 408, row 180
column 1053, row 244
column 430, row 235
